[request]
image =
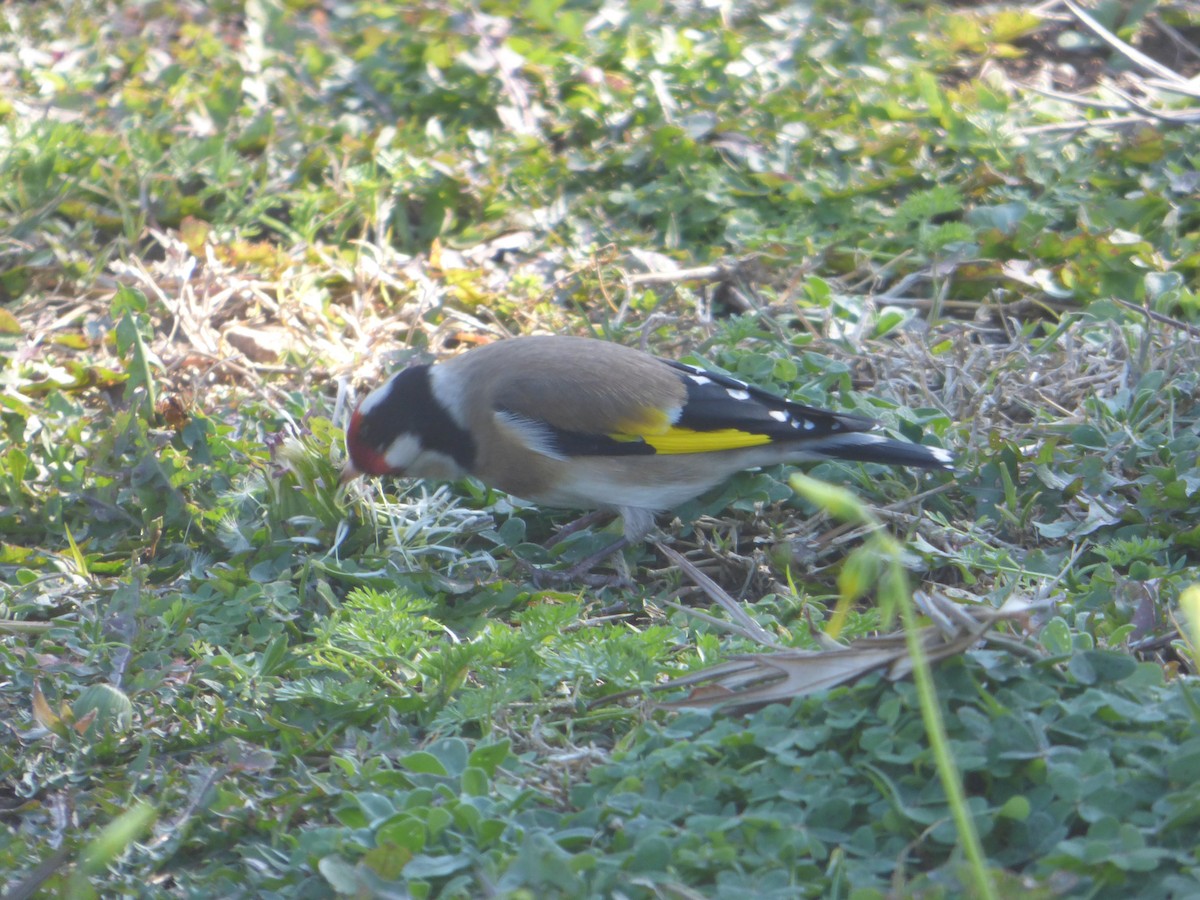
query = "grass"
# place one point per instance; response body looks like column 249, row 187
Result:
column 222, row 223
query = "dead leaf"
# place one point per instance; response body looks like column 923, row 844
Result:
column 42, row 713
column 264, row 344
column 749, row 681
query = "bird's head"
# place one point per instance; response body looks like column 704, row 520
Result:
column 400, row 428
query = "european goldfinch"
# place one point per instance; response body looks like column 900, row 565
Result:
column 586, row 424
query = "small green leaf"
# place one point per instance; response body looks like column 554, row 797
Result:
column 1189, row 602
column 423, row 763
column 475, row 782
column 489, row 756
column 1016, row 808
column 512, row 532
column 129, row 340
column 77, row 557
column 405, row 831
column 112, row 841
column 1101, row 666
column 376, row 806
column 1056, row 637
column 341, row 874
column 422, row 866
column 651, row 855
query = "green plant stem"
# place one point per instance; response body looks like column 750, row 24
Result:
column 935, row 727
column 316, row 653
column 893, row 591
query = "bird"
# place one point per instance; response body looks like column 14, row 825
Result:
column 587, row 424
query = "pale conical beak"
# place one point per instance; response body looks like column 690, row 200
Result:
column 349, row 473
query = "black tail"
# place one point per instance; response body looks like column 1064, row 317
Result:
column 865, row 447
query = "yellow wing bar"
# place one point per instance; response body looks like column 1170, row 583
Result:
column 685, row 440
column 647, row 421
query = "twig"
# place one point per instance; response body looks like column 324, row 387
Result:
column 1186, row 90
column 1159, row 317
column 1135, row 56
column 1075, row 99
column 16, row 626
column 1176, row 38
column 717, row 272
column 752, row 629
column 1114, row 122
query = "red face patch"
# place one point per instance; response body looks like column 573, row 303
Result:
column 366, row 458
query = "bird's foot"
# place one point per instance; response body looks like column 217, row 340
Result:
column 565, row 579
column 576, row 525
column 581, row 572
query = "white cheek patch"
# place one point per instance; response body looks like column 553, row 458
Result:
column 403, row 451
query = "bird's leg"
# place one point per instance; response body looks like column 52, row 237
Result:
column 581, row 571
column 637, row 523
column 584, row 521
column 585, row 565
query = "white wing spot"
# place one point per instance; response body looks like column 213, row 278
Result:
column 809, row 425
column 778, row 415
column 795, row 423
column 737, row 394
column 700, row 379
